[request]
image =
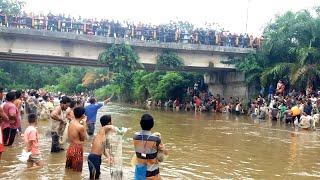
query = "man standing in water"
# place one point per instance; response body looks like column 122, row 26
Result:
column 91, row 112
column 58, row 123
column 146, row 146
column 76, row 134
column 10, row 125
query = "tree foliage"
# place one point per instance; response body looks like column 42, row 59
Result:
column 290, row 52
column 11, row 7
column 169, row 59
column 120, row 58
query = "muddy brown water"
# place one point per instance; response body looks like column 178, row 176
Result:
column 201, row 146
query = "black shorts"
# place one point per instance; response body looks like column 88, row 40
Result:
column 94, row 162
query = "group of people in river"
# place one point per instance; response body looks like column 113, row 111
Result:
column 73, row 120
column 110, row 28
column 298, row 109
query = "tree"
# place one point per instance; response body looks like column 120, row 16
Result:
column 169, row 59
column 120, row 58
column 290, row 52
column 11, row 7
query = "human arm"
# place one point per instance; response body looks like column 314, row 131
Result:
column 56, row 115
column 162, row 148
column 82, row 132
column 2, row 115
column 12, row 114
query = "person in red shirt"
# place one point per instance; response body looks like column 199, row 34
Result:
column 2, row 116
column 12, row 123
column 31, row 139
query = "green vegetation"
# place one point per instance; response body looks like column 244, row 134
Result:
column 120, row 58
column 155, row 85
column 169, row 59
column 11, row 7
column 290, row 52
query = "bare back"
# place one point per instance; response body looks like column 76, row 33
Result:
column 76, row 132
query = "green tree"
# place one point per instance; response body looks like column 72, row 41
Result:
column 169, row 59
column 11, row 7
column 170, row 86
column 120, row 58
column 290, row 52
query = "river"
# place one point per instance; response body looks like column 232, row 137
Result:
column 201, row 146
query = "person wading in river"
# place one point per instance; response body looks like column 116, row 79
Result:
column 12, row 123
column 76, row 135
column 99, row 147
column 58, row 123
column 31, row 139
column 2, row 116
column 91, row 112
column 146, row 146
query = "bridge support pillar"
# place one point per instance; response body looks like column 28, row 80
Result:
column 227, row 84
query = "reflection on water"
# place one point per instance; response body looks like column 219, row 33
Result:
column 201, row 146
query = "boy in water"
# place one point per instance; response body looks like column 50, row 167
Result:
column 99, row 146
column 76, row 134
column 147, row 146
column 31, row 139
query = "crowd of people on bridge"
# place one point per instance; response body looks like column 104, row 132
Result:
column 109, row 28
column 73, row 118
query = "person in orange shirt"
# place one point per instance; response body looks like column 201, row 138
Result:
column 31, row 139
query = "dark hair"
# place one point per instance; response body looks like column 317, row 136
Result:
column 65, row 100
column 78, row 112
column 10, row 96
column 146, row 122
column 1, row 90
column 45, row 97
column 72, row 104
column 105, row 120
column 32, row 118
column 18, row 94
column 92, row 100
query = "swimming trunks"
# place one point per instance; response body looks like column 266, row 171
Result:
column 75, row 157
column 94, row 162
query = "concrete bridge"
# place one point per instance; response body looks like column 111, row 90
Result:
column 40, row 46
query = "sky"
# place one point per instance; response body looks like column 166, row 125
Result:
column 229, row 14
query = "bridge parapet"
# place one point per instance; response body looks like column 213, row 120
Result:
column 110, row 40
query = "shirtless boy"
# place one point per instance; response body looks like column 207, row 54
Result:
column 76, row 135
column 99, row 146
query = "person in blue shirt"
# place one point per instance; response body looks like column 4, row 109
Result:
column 91, row 113
column 270, row 92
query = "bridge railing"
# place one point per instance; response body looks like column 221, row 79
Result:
column 129, row 30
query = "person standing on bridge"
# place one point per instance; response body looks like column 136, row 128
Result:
column 91, row 113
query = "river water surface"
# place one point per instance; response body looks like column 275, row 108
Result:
column 201, row 146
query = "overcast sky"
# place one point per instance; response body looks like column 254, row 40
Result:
column 230, row 14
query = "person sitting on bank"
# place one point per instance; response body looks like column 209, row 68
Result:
column 147, row 146
column 91, row 113
column 99, row 147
